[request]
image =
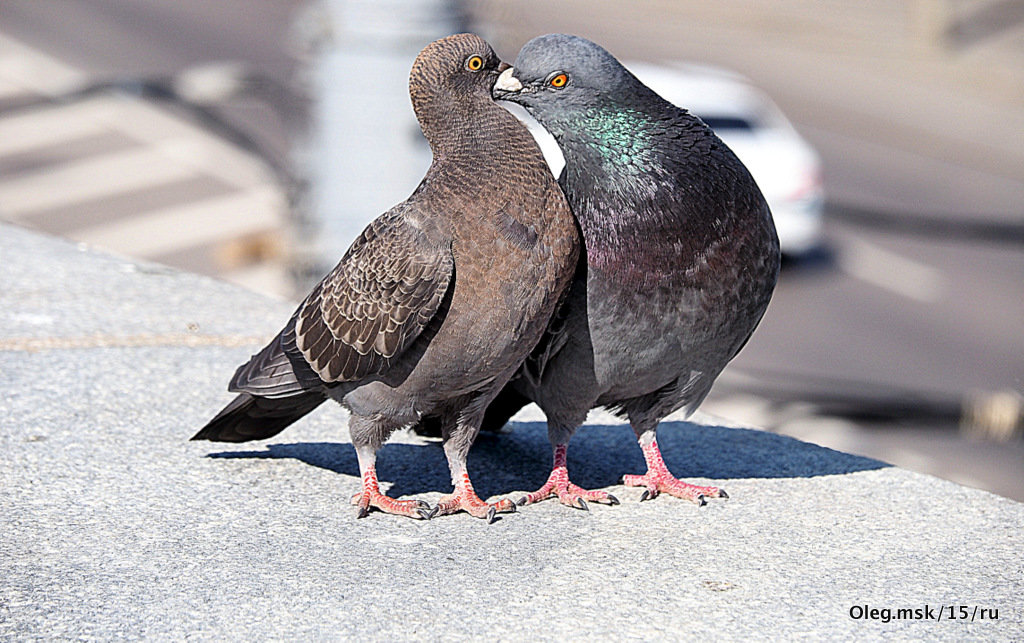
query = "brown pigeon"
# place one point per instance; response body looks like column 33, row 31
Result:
column 440, row 299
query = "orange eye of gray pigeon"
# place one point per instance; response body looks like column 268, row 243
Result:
column 559, row 81
column 474, row 63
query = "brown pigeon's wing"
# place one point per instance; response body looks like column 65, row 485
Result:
column 279, row 370
column 376, row 301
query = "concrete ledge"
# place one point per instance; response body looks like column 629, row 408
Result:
column 114, row 526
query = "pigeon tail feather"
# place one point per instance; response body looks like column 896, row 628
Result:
column 250, row 417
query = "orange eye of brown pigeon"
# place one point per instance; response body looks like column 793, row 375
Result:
column 475, row 63
column 559, row 81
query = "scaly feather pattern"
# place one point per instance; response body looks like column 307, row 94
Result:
column 440, row 299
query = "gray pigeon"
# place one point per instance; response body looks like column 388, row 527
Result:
column 681, row 258
column 439, row 300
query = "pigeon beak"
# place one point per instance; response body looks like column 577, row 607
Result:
column 507, row 84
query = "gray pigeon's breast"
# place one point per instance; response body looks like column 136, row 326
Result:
column 642, row 340
column 646, row 333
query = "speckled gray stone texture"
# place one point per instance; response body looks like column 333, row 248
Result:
column 113, row 525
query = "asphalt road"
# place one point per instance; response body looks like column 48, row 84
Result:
column 102, row 111
column 148, row 39
column 882, row 330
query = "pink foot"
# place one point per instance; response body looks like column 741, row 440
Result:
column 371, row 496
column 465, row 499
column 659, row 479
column 568, row 494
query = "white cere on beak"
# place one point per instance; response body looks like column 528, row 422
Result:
column 507, row 82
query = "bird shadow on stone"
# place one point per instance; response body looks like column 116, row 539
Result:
column 599, row 455
column 519, row 457
column 410, row 468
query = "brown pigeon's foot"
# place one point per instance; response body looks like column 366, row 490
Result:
column 568, row 494
column 372, row 497
column 658, row 479
column 465, row 499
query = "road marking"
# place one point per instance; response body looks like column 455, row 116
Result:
column 24, row 70
column 205, row 152
column 181, row 227
column 98, row 177
column 158, row 149
column 887, row 270
column 53, row 125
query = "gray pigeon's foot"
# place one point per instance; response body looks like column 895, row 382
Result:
column 659, row 479
column 558, row 485
column 657, row 483
column 464, row 498
column 371, row 496
column 567, row 493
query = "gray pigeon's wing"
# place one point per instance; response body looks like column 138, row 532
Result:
column 376, row 301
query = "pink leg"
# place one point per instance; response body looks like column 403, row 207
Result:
column 568, row 494
column 371, row 496
column 464, row 498
column 658, row 479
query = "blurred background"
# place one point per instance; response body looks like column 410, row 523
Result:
column 252, row 140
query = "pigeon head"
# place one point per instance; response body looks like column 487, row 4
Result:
column 450, row 80
column 561, row 79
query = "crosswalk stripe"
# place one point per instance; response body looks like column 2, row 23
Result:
column 52, row 125
column 885, row 269
column 128, row 174
column 93, row 178
column 181, row 227
column 206, row 152
column 27, row 70
column 9, row 90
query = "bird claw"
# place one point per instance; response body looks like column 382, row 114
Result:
column 661, row 481
column 371, row 498
column 425, row 514
column 568, row 494
column 467, row 500
column 503, row 506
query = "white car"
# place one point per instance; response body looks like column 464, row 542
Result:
column 785, row 166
